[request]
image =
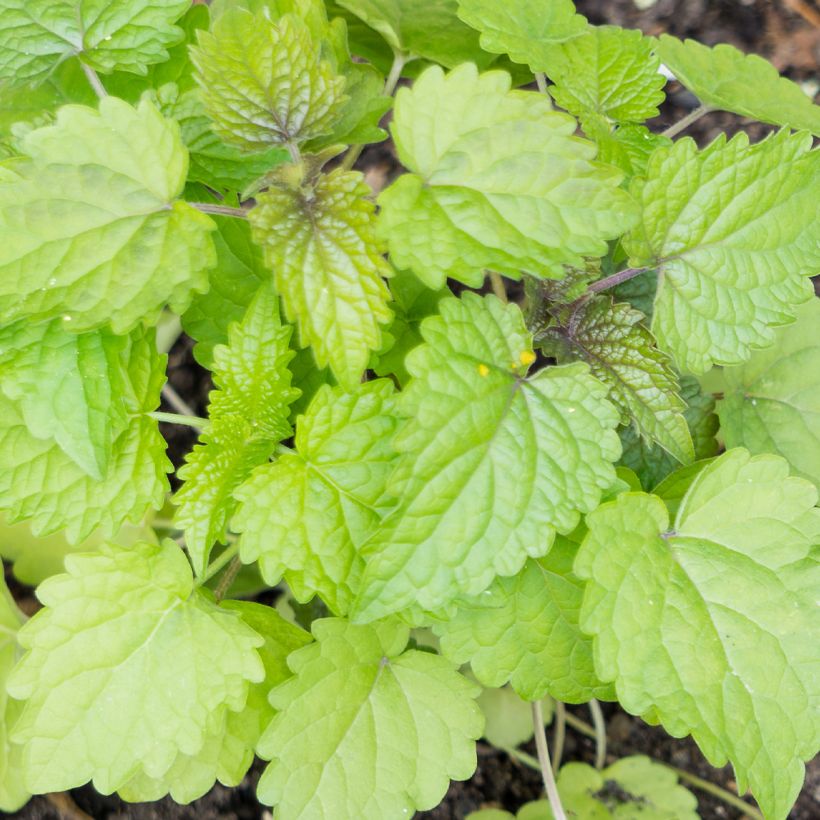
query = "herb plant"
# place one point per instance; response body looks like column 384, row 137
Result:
column 526, row 481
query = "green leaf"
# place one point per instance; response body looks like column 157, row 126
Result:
column 727, row 662
column 626, row 146
column 89, row 229
column 526, row 29
column 726, row 78
column 507, row 718
column 13, row 793
column 524, row 629
column 463, row 516
column 320, row 241
column 41, row 482
column 264, row 83
column 621, row 352
column 248, row 415
column 652, row 463
column 306, row 515
column 733, row 233
column 772, row 403
column 508, row 208
column 366, row 728
column 137, row 663
column 609, row 71
column 38, row 35
column 227, row 754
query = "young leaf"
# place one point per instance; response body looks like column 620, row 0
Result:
column 651, row 463
column 41, row 482
column 263, row 83
column 367, row 728
column 772, row 403
column 621, row 352
column 525, row 630
column 726, row 78
column 248, row 415
column 319, row 239
column 306, row 515
column 609, row 71
column 463, row 516
column 733, row 233
column 626, row 146
column 93, row 205
column 507, row 208
column 38, row 35
column 137, row 664
column 525, row 29
column 507, row 718
column 727, row 662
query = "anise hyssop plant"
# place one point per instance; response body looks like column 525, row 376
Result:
column 600, row 487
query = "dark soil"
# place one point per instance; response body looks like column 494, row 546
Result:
column 778, row 32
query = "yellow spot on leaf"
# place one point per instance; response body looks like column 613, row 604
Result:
column 527, row 357
column 483, row 370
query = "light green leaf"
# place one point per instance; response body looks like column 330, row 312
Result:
column 726, row 78
column 609, row 71
column 702, row 623
column 652, row 463
column 227, row 754
column 306, row 515
column 41, row 482
column 264, row 83
column 38, row 35
column 13, row 793
column 463, row 516
column 366, row 728
column 621, row 352
column 772, row 403
column 89, row 229
column 248, row 415
column 138, row 664
column 626, row 146
column 530, row 199
column 733, row 232
column 525, row 29
column 524, row 629
column 319, row 239
column 507, row 718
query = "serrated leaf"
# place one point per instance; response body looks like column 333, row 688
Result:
column 626, row 146
column 89, row 227
column 306, row 515
column 524, row 629
column 726, row 78
column 40, row 482
column 319, row 239
column 228, row 753
column 366, row 728
column 507, row 209
column 621, row 352
column 771, row 404
column 463, row 516
column 727, row 662
column 38, row 35
column 264, row 83
column 248, row 415
column 525, row 29
column 733, row 233
column 138, row 664
column 652, row 463
column 609, row 71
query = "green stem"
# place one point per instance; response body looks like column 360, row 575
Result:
column 580, row 726
column 228, row 578
column 547, row 774
column 541, row 81
column 716, row 791
column 225, row 557
column 685, row 122
column 219, row 210
column 600, row 733
column 176, row 401
column 177, row 418
column 559, row 734
column 94, row 81
column 517, row 754
column 498, row 286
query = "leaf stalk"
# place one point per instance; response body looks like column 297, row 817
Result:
column 544, row 761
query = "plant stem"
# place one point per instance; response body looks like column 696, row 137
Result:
column 716, row 791
column 176, row 401
column 220, row 210
column 559, row 733
column 523, row 757
column 615, row 279
column 544, row 762
column 94, row 80
column 498, row 286
column 176, row 418
column 600, row 733
column 685, row 122
column 228, row 578
column 580, row 726
column 541, row 81
column 225, row 557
